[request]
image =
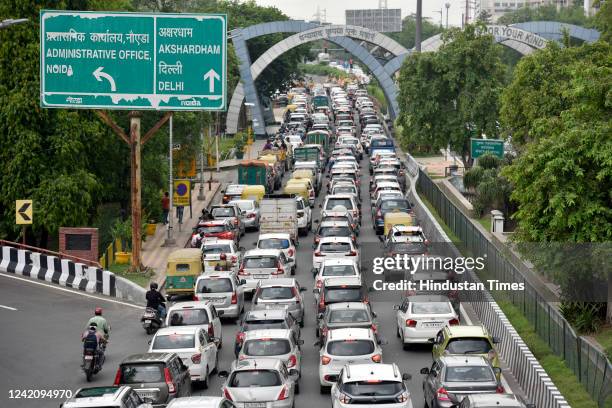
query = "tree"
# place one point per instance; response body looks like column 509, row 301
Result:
column 452, row 95
column 406, row 36
column 570, row 15
column 484, row 16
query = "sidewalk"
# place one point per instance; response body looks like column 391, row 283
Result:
column 250, row 154
column 154, row 253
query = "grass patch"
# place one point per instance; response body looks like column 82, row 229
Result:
column 141, row 279
column 555, row 367
column 485, row 222
column 604, row 337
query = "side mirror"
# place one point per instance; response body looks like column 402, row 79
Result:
column 424, row 371
column 300, row 342
column 220, row 312
column 294, row 374
column 497, row 371
column 243, row 281
column 396, row 307
column 149, row 342
column 320, row 316
column 496, row 340
column 302, row 289
column 406, row 377
column 320, row 205
column 374, row 315
column 223, row 374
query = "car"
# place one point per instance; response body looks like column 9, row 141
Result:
column 259, row 264
column 200, row 314
column 250, row 212
column 345, row 188
column 345, row 200
column 280, row 294
column 282, row 241
column 345, row 289
column 224, row 290
column 335, row 247
column 420, row 317
column 107, row 397
column 405, row 233
column 201, row 402
column 231, row 192
column 492, row 400
column 460, row 376
column 266, row 319
column 220, row 252
column 193, row 345
column 335, row 268
column 334, row 229
column 304, row 216
column 261, row 380
column 156, row 377
column 231, row 212
column 346, row 314
column 371, row 385
column 346, row 346
column 222, row 229
column 388, row 205
column 385, row 186
column 464, row 339
column 341, row 215
column 277, row 344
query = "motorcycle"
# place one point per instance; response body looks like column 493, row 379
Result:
column 151, row 320
column 92, row 362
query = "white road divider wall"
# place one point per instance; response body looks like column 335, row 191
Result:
column 530, row 375
column 67, row 273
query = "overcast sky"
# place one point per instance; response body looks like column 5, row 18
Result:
column 306, row 9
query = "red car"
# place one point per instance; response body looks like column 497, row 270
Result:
column 222, row 229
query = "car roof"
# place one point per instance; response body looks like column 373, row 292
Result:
column 195, row 402
column 190, row 305
column 215, row 240
column 350, row 333
column 266, row 314
column 214, row 222
column 242, row 200
column 269, row 333
column 258, row 252
column 100, row 396
column 166, row 331
column 467, row 331
column 339, row 261
column 343, row 281
column 262, row 363
column 326, row 240
column 282, row 235
column 464, row 360
column 148, row 358
column 348, row 305
column 427, row 298
column 407, row 228
column 378, row 371
column 501, row 400
column 267, row 283
column 334, row 224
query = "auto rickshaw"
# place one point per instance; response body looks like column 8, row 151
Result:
column 300, row 189
column 304, row 173
column 184, row 267
column 253, row 192
column 397, row 218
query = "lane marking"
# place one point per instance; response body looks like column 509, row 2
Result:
column 8, row 308
column 83, row 294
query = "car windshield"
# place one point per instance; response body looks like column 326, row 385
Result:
column 255, row 378
column 350, row 347
column 348, row 316
column 222, row 212
column 273, row 243
column 467, row 345
column 275, row 293
column 215, row 285
column 245, row 205
column 260, row 262
column 334, row 232
column 407, row 248
column 393, row 204
column 188, row 317
column 174, row 341
column 334, row 295
column 300, row 204
column 141, row 373
column 431, row 308
column 212, row 229
column 463, row 374
column 335, row 247
column 344, row 190
column 217, row 249
column 382, row 143
column 338, row 270
column 264, row 324
column 267, row 347
column 344, row 202
column 373, row 388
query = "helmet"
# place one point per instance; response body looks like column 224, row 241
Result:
column 153, row 286
column 98, row 311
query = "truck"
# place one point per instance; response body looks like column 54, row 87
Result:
column 256, row 172
column 278, row 213
column 306, row 154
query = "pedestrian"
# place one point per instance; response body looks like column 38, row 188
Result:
column 165, row 202
column 179, row 213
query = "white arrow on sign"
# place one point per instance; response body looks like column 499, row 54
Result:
column 211, row 76
column 99, row 75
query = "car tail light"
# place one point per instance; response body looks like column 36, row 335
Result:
column 317, row 239
column 235, row 221
column 241, row 271
column 403, row 397
column 279, row 270
column 352, row 253
column 442, row 394
column 117, row 377
column 317, row 253
column 344, row 399
column 378, row 214
column 251, row 215
column 223, row 257
column 284, row 394
column 319, row 283
column 168, row 378
column 500, row 389
column 453, row 322
column 195, row 297
column 234, row 259
column 377, row 358
column 411, row 323
column 196, row 358
column 321, row 303
column 211, row 330
column 227, row 395
column 324, row 331
column 292, row 361
column 234, row 298
column 290, row 252
column 312, row 193
column 374, row 328
column 325, row 360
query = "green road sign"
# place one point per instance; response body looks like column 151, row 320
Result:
column 133, row 60
column 482, row 146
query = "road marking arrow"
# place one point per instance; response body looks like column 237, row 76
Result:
column 23, row 211
column 98, row 74
column 211, row 76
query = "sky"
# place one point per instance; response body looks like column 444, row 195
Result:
column 305, row 10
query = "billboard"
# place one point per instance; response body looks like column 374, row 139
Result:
column 381, row 20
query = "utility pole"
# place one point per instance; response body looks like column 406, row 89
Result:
column 419, row 21
column 201, row 189
column 441, row 16
column 169, row 239
column 447, row 5
column 467, row 12
column 217, row 139
column 136, row 187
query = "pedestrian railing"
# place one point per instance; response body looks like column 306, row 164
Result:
column 108, row 258
column 589, row 364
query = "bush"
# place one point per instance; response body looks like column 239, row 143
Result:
column 584, row 317
column 472, row 177
column 489, row 161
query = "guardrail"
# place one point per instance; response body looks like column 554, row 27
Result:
column 589, row 364
column 48, row 252
column 109, row 254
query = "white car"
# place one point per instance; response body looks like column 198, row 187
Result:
column 193, row 345
column 421, row 317
column 259, row 264
column 217, row 251
column 250, row 212
column 346, row 346
column 200, row 402
column 200, row 314
column 344, row 200
column 304, row 216
column 335, row 247
column 372, row 385
column 222, row 289
column 335, row 268
column 280, row 241
column 279, row 344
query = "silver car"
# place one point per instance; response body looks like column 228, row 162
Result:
column 109, row 397
column 200, row 402
column 259, row 264
column 264, row 381
column 280, row 294
column 224, row 290
column 250, row 212
column 272, row 344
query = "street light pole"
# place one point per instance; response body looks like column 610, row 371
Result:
column 447, row 5
column 169, row 240
column 419, row 21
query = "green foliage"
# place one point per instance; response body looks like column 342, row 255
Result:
column 406, row 36
column 472, row 177
column 489, row 161
column 122, row 230
column 322, row 70
column 571, row 15
column 377, row 93
column 603, row 20
column 585, row 317
column 445, row 97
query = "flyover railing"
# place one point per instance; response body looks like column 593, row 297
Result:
column 50, row 253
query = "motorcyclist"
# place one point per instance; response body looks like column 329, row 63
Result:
column 100, row 322
column 156, row 300
column 94, row 340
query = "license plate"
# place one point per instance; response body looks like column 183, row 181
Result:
column 218, row 300
column 147, row 321
column 260, row 277
column 88, row 357
column 432, row 324
column 255, row 405
column 148, row 395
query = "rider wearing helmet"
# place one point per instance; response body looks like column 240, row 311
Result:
column 156, row 300
column 100, row 322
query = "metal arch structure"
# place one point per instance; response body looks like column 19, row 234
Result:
column 341, row 35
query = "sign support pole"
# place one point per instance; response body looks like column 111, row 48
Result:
column 23, row 233
column 217, row 139
column 136, row 188
column 209, row 155
column 169, row 240
column 201, row 188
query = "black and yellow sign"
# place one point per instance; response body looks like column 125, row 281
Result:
column 182, row 193
column 23, row 212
